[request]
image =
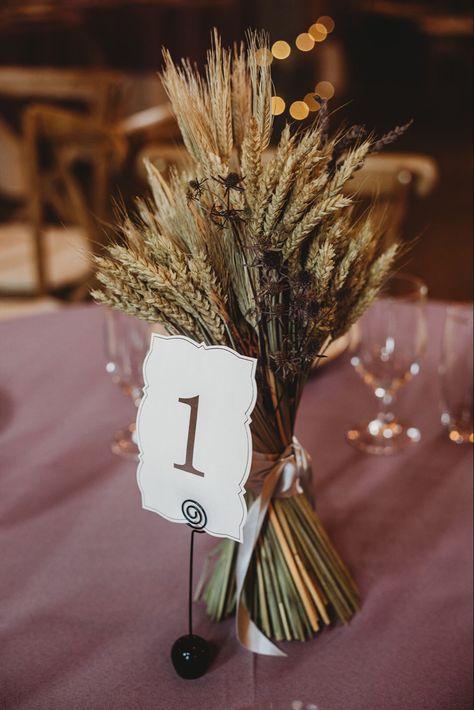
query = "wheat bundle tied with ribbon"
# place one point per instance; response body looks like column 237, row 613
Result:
column 259, row 251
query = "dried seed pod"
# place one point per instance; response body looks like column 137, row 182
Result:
column 231, row 182
column 304, row 279
column 271, row 259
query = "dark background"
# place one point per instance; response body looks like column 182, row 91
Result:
column 398, row 60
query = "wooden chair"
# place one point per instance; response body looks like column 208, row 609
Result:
column 154, row 135
column 393, row 180
column 67, row 121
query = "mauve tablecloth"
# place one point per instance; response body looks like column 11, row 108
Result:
column 93, row 589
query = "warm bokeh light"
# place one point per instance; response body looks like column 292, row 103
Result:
column 304, row 42
column 459, row 438
column 281, row 49
column 404, row 177
column 318, row 32
column 311, row 102
column 324, row 89
column 327, row 22
column 263, row 57
column 299, row 110
column 278, row 105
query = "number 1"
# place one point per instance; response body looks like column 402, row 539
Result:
column 188, row 466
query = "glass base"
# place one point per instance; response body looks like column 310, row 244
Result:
column 383, row 437
column 124, row 443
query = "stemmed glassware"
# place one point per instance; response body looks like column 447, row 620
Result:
column 388, row 345
column 126, row 343
column 456, row 374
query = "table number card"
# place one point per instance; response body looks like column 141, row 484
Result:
column 194, row 437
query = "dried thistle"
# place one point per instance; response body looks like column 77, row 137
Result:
column 391, row 136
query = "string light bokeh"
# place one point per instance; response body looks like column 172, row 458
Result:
column 299, row 110
column 324, row 89
column 278, row 105
column 281, row 49
column 263, row 57
column 304, row 42
column 318, row 32
column 311, row 102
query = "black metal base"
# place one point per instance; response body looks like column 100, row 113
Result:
column 191, row 656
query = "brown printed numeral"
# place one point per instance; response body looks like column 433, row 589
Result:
column 188, row 466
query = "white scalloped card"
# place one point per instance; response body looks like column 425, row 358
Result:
column 193, row 432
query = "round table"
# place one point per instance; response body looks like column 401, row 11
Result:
column 93, row 588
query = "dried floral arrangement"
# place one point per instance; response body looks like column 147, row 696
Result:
column 258, row 250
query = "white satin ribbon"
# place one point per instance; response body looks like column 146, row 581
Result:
column 281, row 475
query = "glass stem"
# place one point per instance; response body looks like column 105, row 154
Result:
column 385, row 413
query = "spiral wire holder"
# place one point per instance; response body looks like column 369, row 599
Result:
column 194, row 514
column 197, row 520
column 191, row 654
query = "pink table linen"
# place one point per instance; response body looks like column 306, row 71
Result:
column 93, row 588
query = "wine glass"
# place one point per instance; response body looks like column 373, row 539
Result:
column 126, row 343
column 387, row 348
column 455, row 372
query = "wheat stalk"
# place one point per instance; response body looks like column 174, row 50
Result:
column 266, row 256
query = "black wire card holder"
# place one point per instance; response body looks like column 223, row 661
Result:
column 191, row 654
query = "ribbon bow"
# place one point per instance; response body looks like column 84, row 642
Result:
column 282, row 475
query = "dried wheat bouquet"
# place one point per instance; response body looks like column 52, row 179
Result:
column 257, row 248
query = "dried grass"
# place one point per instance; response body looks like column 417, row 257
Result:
column 267, row 259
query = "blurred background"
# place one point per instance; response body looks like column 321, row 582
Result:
column 81, row 106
